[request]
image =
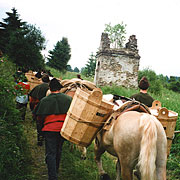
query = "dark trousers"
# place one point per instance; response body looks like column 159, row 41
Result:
column 53, row 146
column 40, row 134
column 22, row 108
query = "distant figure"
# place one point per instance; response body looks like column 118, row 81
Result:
column 79, row 76
column 143, row 96
column 38, row 75
column 39, row 91
column 49, row 73
column 36, row 94
column 22, row 100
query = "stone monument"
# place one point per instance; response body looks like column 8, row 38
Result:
column 117, row 66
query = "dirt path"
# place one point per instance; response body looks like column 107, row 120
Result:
column 38, row 152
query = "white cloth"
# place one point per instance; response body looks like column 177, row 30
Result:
column 22, row 99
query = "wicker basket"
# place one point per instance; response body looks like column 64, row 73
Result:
column 33, row 81
column 168, row 120
column 85, row 117
column 29, row 75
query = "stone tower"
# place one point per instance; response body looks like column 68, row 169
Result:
column 117, row 66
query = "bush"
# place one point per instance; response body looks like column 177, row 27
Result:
column 155, row 83
column 14, row 154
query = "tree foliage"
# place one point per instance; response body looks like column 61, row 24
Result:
column 22, row 42
column 60, row 55
column 11, row 24
column 174, row 83
column 116, row 34
column 69, row 68
column 89, row 69
column 155, row 83
column 76, row 69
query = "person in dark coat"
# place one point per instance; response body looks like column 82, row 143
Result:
column 143, row 96
column 51, row 113
column 38, row 75
column 35, row 95
column 79, row 76
column 39, row 91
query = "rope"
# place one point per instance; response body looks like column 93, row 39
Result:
column 91, row 123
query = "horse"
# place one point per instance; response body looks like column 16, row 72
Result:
column 138, row 140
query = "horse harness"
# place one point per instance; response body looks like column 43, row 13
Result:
column 130, row 105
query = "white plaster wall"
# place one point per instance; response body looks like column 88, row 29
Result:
column 118, row 70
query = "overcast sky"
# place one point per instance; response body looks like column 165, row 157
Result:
column 156, row 24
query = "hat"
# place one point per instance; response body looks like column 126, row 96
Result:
column 45, row 78
column 143, row 83
column 55, row 85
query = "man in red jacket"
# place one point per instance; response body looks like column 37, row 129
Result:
column 51, row 112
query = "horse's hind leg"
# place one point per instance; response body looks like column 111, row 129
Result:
column 126, row 171
column 126, row 174
column 98, row 151
column 83, row 151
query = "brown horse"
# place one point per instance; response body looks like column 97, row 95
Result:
column 139, row 141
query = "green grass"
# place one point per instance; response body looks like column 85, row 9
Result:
column 73, row 167
column 66, row 74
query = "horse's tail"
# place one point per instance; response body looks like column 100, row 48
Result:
column 148, row 152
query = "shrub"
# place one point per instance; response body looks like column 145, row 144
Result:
column 155, row 83
column 14, row 153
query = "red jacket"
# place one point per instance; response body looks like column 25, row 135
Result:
column 53, row 122
column 25, row 86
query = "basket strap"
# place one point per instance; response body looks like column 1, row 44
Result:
column 80, row 120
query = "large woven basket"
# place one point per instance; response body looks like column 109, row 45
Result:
column 33, row 81
column 29, row 74
column 86, row 116
column 168, row 120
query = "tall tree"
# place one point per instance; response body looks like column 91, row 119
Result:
column 69, row 68
column 76, row 69
column 10, row 25
column 116, row 34
column 22, row 42
column 60, row 55
column 89, row 69
column 25, row 50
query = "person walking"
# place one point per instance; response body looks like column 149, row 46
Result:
column 39, row 91
column 22, row 99
column 35, row 95
column 143, row 95
column 51, row 113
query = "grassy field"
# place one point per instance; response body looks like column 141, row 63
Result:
column 73, row 167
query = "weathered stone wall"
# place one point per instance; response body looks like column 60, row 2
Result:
column 116, row 66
